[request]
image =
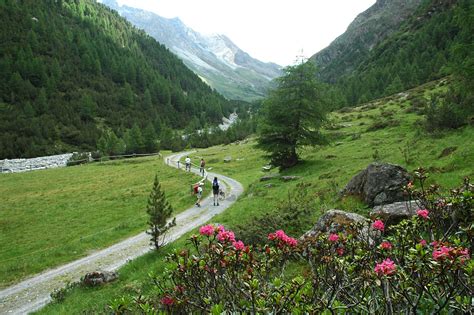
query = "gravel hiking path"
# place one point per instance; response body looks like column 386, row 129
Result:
column 33, row 293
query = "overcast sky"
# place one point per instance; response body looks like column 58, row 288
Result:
column 269, row 30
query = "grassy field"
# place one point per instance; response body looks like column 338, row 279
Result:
column 55, row 216
column 389, row 130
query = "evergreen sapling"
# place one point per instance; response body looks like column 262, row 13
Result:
column 159, row 210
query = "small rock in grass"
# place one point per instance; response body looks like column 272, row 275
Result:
column 289, row 178
column 269, row 177
column 97, row 278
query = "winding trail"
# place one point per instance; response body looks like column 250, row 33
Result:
column 33, row 293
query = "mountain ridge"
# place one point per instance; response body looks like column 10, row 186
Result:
column 367, row 30
column 215, row 58
column 385, row 51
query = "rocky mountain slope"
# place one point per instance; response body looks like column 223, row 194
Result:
column 368, row 29
column 215, row 58
column 397, row 45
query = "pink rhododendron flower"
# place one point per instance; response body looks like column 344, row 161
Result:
column 442, row 253
column 434, row 244
column 239, row 245
column 386, row 245
column 291, row 241
column 271, row 236
column 463, row 255
column 282, row 238
column 423, row 213
column 386, row 267
column 340, row 251
column 410, row 185
column 422, row 242
column 333, row 237
column 207, row 230
column 378, row 225
column 226, row 236
column 167, row 300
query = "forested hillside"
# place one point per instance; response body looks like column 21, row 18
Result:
column 71, row 70
column 368, row 29
column 435, row 41
column 215, row 58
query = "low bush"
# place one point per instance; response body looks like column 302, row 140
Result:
column 421, row 265
column 447, row 112
column 382, row 124
column 79, row 158
column 292, row 214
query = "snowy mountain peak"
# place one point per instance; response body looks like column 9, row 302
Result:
column 214, row 58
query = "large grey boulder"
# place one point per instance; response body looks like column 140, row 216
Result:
column 379, row 183
column 395, row 212
column 97, row 278
column 334, row 221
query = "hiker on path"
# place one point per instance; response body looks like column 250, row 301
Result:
column 201, row 167
column 199, row 194
column 188, row 164
column 215, row 190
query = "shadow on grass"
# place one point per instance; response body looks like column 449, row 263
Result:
column 306, row 167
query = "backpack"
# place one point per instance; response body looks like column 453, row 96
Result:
column 195, row 188
column 215, row 184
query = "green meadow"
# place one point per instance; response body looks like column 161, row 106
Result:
column 389, row 130
column 55, row 216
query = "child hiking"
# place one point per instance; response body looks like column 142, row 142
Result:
column 199, row 194
column 215, row 190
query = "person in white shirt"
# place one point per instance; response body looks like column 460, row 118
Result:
column 188, row 164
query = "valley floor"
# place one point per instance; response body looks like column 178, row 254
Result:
column 32, row 294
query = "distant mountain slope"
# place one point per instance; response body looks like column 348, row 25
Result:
column 71, row 69
column 367, row 30
column 422, row 48
column 216, row 59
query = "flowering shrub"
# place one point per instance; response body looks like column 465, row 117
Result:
column 423, row 213
column 282, row 239
column 333, row 237
column 386, row 245
column 421, row 265
column 378, row 225
column 386, row 267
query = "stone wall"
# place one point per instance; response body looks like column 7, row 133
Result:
column 39, row 163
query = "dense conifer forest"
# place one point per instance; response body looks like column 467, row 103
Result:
column 436, row 41
column 72, row 71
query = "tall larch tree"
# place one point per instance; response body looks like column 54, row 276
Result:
column 292, row 115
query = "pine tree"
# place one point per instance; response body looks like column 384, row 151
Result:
column 159, row 211
column 149, row 139
column 292, row 115
column 42, row 102
column 134, row 140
